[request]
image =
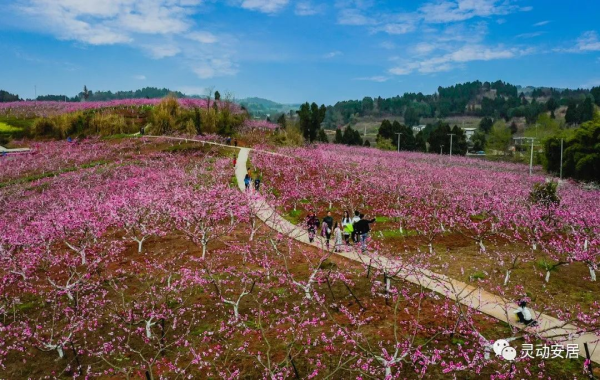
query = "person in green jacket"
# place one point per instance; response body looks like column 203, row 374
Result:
column 347, row 227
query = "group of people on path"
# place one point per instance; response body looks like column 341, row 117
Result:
column 228, row 141
column 357, row 228
column 248, row 180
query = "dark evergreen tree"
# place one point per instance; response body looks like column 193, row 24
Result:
column 282, row 121
column 572, row 117
column 485, row 125
column 311, row 116
column 322, row 137
column 351, row 137
column 585, row 111
column 411, row 117
column 552, row 105
column 339, row 137
column 420, row 142
column 595, row 91
column 198, row 120
column 8, row 97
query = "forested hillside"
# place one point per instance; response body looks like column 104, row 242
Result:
column 483, row 99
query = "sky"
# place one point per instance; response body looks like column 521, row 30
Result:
column 293, row 51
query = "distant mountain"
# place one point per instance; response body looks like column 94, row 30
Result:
column 261, row 108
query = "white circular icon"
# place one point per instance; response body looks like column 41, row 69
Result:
column 500, row 345
column 509, row 353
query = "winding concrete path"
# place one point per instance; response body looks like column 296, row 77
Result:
column 473, row 297
column 468, row 295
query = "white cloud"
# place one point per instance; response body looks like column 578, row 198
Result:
column 377, row 78
column 445, row 11
column 449, row 61
column 396, row 28
column 306, row 8
column 157, row 51
column 264, row 6
column 387, row 45
column 530, row 35
column 213, row 67
column 332, row 54
column 542, row 23
column 203, row 37
column 587, row 42
column 160, row 28
column 460, row 10
column 139, row 77
column 354, row 17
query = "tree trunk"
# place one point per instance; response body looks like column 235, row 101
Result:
column 547, row 276
column 592, row 272
column 481, row 246
column 507, row 277
column 203, row 250
column 140, row 242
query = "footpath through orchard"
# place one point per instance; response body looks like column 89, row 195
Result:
column 471, row 296
column 474, row 297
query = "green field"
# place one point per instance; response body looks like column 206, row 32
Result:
column 5, row 128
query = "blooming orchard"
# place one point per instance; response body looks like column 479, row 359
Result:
column 32, row 108
column 150, row 264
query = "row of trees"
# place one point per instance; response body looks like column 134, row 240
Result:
column 6, row 96
column 433, row 138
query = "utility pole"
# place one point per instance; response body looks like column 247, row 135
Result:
column 561, row 156
column 531, row 158
column 399, row 137
column 451, row 135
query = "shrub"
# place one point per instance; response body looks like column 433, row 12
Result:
column 544, row 194
column 44, row 127
column 107, row 124
column 291, row 136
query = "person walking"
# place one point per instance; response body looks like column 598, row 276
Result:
column 355, row 220
column 327, row 228
column 247, row 180
column 257, row 183
column 362, row 229
column 312, row 223
column 337, row 235
column 234, row 160
column 235, row 142
column 347, row 227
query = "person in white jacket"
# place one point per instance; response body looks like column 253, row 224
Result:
column 524, row 314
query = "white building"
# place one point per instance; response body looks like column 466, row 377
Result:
column 469, row 132
column 418, row 128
